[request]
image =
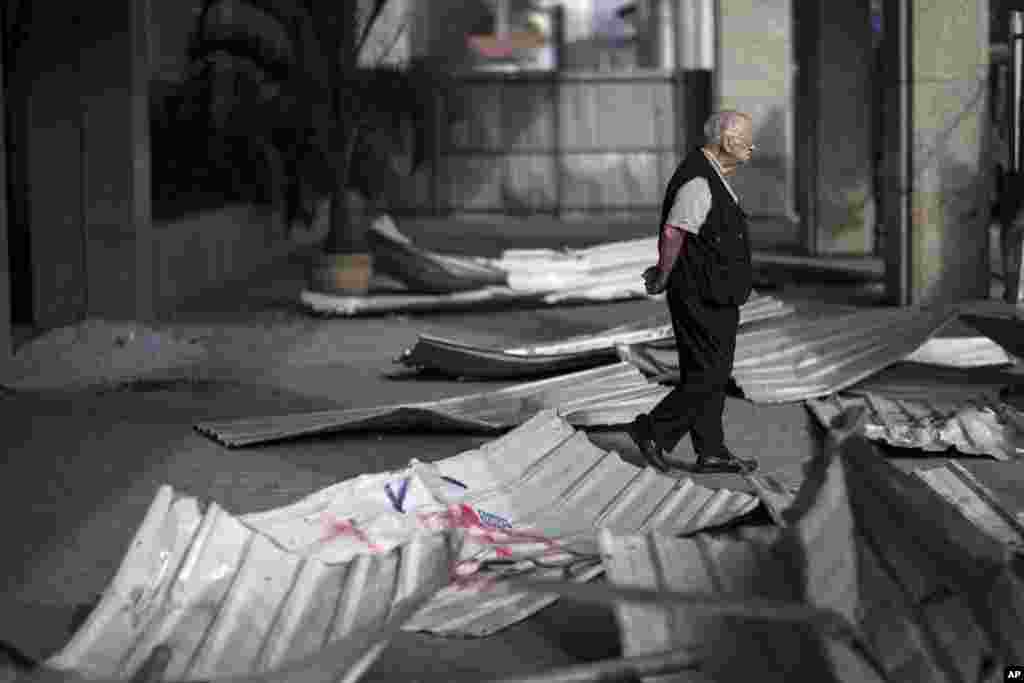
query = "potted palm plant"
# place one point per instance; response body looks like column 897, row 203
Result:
column 287, row 75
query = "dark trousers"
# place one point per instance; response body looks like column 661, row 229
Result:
column 706, row 341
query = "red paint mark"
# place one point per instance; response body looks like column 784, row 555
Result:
column 463, row 516
column 342, row 528
column 465, row 574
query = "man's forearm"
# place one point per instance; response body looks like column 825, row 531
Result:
column 670, row 245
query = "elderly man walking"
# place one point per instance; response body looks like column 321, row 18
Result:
column 704, row 264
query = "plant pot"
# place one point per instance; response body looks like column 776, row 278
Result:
column 342, row 274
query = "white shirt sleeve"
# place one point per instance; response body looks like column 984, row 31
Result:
column 691, row 205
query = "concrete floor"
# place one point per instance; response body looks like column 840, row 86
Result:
column 81, row 468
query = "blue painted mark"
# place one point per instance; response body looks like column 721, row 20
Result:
column 454, row 481
column 494, row 520
column 397, row 499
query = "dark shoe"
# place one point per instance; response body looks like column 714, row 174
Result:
column 640, row 431
column 724, row 461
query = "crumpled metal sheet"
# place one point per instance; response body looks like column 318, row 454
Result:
column 463, row 360
column 607, row 272
column 971, row 425
column 246, row 595
column 562, row 496
column 561, row 270
column 1005, row 325
column 961, row 352
column 425, row 271
column 231, row 602
column 934, row 600
column 977, row 503
column 796, row 358
column 738, row 568
column 528, row 502
column 914, row 381
column 607, row 395
column 376, row 304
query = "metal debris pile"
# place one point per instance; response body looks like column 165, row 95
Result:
column 443, row 282
column 935, row 598
column 921, row 391
column 833, row 590
column 456, row 359
column 248, row 595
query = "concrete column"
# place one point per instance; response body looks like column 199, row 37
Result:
column 754, row 60
column 6, row 345
column 120, row 254
column 834, row 42
column 50, row 78
column 941, row 254
column 695, row 34
column 663, row 31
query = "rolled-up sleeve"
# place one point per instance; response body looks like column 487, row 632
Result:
column 691, row 205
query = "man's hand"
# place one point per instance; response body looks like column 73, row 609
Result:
column 655, row 281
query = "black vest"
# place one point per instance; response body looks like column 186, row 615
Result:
column 715, row 264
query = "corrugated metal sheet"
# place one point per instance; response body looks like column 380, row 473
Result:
column 941, row 384
column 243, row 595
column 231, row 602
column 607, row 272
column 934, row 600
column 1007, row 328
column 961, row 352
column 550, row 270
column 376, row 304
column 795, row 358
column 425, row 271
column 463, row 360
column 563, row 495
column 608, row 395
column 932, row 409
column 977, row 503
column 726, row 647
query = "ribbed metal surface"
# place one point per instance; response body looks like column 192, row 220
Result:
column 796, row 358
column 536, row 497
column 423, row 270
column 977, row 503
column 464, row 360
column 244, row 595
column 961, row 352
column 577, row 270
column 606, row 272
column 611, row 394
column 566, row 491
column 933, row 599
column 972, row 423
column 741, row 568
column 456, row 358
column 914, row 381
column 1006, row 327
column 232, row 602
column 375, row 304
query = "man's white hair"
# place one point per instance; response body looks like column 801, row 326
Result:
column 720, row 122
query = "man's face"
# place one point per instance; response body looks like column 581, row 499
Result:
column 738, row 141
